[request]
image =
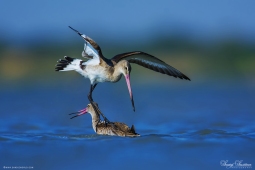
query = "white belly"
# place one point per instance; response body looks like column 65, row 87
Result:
column 96, row 74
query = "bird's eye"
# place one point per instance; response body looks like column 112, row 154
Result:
column 127, row 68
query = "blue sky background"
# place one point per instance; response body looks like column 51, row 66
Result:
column 40, row 21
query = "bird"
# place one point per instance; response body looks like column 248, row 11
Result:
column 112, row 128
column 99, row 69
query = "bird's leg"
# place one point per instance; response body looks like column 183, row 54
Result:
column 92, row 87
column 98, row 111
column 105, row 119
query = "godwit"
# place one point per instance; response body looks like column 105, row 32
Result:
column 112, row 128
column 100, row 69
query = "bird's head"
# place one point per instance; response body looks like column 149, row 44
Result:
column 125, row 67
column 89, row 109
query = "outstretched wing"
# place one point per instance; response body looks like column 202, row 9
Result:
column 150, row 62
column 91, row 51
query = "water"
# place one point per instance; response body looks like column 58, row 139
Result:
column 187, row 126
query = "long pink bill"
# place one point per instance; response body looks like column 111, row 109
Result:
column 130, row 91
column 79, row 113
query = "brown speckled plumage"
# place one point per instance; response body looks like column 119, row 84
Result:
column 111, row 128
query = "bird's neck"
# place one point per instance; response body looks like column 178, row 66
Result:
column 116, row 75
column 95, row 120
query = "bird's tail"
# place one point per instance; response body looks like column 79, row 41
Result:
column 133, row 129
column 69, row 64
column 132, row 132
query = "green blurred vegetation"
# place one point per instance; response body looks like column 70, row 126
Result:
column 229, row 59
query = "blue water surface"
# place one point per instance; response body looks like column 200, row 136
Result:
column 182, row 126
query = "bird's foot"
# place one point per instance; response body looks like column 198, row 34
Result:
column 106, row 121
column 96, row 108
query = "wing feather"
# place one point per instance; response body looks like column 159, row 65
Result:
column 150, row 62
column 91, row 51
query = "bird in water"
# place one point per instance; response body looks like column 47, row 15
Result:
column 99, row 69
column 99, row 126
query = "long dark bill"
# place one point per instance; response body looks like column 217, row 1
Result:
column 130, row 91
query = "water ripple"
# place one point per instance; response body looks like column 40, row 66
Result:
column 205, row 134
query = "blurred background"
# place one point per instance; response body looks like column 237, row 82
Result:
column 212, row 42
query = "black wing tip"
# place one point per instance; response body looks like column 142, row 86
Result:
column 75, row 30
column 72, row 28
column 63, row 63
column 58, row 69
column 69, row 59
column 188, row 79
column 170, row 72
column 183, row 77
column 174, row 74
